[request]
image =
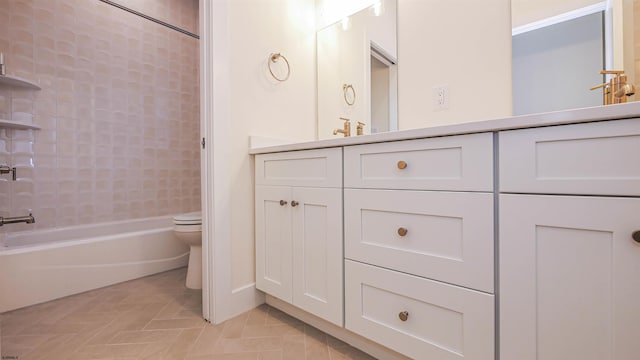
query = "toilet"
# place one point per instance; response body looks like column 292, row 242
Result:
column 188, row 229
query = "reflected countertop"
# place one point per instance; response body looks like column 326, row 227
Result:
column 261, row 145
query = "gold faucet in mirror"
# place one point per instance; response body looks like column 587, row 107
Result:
column 616, row 90
column 347, row 128
column 360, row 128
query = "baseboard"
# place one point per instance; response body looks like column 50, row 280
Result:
column 374, row 349
column 242, row 300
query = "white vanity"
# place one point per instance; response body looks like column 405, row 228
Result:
column 507, row 239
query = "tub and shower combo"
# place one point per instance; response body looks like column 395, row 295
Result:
column 42, row 265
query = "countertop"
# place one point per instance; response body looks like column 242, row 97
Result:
column 573, row 116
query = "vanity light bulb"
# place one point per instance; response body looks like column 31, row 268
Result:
column 346, row 23
column 376, row 8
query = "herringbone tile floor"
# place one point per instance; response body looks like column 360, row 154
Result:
column 158, row 318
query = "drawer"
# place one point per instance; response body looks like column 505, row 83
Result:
column 447, row 236
column 592, row 159
column 444, row 321
column 310, row 168
column 455, row 163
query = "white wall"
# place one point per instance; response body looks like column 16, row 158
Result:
column 241, row 99
column 262, row 106
column 526, row 11
column 465, row 45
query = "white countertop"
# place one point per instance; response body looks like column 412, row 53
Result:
column 574, row 116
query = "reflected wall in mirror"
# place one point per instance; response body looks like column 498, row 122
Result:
column 559, row 49
column 357, row 72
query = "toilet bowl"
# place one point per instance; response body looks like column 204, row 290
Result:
column 188, row 229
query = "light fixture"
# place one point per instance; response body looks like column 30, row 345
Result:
column 346, row 23
column 377, row 8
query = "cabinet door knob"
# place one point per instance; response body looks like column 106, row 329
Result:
column 403, row 315
column 402, row 164
column 283, row 203
column 294, row 203
column 636, row 236
column 402, row 231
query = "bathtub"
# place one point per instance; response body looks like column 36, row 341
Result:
column 42, row 265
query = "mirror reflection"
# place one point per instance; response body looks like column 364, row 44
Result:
column 572, row 54
column 559, row 50
column 357, row 73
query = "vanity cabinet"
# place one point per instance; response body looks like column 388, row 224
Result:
column 419, row 265
column 420, row 217
column 569, row 265
column 299, row 256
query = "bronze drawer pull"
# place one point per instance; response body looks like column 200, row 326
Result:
column 402, row 231
column 636, row 236
column 402, row 164
column 294, row 203
column 283, row 203
column 404, row 315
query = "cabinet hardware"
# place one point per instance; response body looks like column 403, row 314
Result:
column 404, row 315
column 402, row 165
column 283, row 203
column 636, row 236
column 294, row 203
column 402, row 231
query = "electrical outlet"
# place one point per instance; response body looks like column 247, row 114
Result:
column 440, row 97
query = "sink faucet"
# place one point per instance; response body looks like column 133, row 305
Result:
column 617, row 89
column 347, row 128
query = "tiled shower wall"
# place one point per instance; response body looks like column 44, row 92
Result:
column 636, row 40
column 119, row 112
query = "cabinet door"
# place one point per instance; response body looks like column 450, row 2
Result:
column 569, row 278
column 317, row 252
column 273, row 241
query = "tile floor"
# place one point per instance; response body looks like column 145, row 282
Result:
column 158, row 318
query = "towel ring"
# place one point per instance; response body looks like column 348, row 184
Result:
column 273, row 58
column 345, row 90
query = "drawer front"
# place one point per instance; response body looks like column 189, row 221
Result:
column 455, row 163
column 592, row 159
column 444, row 236
column 443, row 321
column 311, row 168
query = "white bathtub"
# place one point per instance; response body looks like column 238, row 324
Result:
column 39, row 266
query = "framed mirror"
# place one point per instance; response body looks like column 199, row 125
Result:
column 357, row 72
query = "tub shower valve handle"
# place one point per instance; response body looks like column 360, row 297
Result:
column 4, row 169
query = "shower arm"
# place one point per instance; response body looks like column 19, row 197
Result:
column 18, row 219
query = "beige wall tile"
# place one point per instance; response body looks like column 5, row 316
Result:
column 118, row 107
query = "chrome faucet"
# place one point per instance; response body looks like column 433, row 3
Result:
column 616, row 90
column 18, row 219
column 347, row 128
column 4, row 169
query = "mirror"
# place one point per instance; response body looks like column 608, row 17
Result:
column 357, row 72
column 345, row 58
column 566, row 45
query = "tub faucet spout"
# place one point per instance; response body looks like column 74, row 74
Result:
column 18, row 219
